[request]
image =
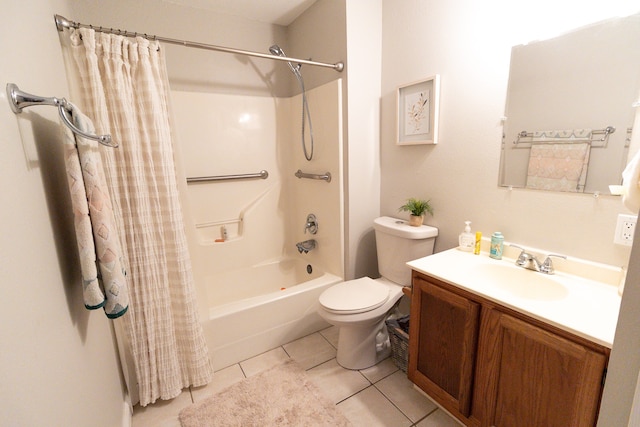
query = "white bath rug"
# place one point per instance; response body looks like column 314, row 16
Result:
column 281, row 396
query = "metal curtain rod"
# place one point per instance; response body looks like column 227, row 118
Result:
column 19, row 99
column 62, row 23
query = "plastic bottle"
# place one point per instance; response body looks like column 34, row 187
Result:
column 497, row 245
column 466, row 240
column 476, row 250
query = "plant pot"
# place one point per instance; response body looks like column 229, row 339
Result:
column 416, row 220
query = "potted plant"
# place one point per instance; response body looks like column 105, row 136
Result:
column 417, row 207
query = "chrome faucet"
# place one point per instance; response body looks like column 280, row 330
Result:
column 312, row 224
column 306, row 246
column 530, row 262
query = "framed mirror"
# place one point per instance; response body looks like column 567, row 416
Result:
column 569, row 108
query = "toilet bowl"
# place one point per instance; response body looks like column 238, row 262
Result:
column 359, row 307
column 363, row 339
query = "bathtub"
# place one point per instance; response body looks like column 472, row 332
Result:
column 256, row 309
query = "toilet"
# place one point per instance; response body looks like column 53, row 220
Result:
column 359, row 307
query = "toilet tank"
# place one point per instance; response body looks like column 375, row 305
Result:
column 398, row 243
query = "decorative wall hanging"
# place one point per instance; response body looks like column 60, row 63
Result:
column 417, row 112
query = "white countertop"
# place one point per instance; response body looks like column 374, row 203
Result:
column 579, row 305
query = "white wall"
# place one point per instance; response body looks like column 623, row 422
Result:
column 362, row 165
column 196, row 69
column 58, row 362
column 468, row 43
column 351, row 31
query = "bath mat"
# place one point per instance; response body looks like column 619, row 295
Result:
column 281, row 396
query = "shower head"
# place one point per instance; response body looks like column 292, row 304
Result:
column 277, row 50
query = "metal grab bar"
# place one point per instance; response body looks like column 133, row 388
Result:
column 263, row 174
column 325, row 177
column 19, row 99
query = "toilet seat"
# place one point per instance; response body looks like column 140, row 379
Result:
column 354, row 296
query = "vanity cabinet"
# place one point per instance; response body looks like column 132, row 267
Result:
column 489, row 365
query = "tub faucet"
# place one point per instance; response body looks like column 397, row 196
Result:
column 311, row 224
column 306, row 246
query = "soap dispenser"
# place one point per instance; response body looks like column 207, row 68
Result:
column 466, row 240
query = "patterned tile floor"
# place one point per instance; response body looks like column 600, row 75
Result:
column 377, row 396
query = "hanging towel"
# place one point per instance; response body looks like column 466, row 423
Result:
column 558, row 166
column 631, row 184
column 103, row 275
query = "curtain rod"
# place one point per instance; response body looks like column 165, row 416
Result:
column 62, row 23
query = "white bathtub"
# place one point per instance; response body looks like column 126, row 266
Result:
column 259, row 308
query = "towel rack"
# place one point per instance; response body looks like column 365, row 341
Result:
column 325, row 177
column 19, row 99
column 263, row 174
column 569, row 139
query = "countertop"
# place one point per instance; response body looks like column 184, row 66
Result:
column 580, row 305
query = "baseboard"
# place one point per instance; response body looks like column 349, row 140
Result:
column 127, row 413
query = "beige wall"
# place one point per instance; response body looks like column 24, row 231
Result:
column 58, row 362
column 468, row 43
column 196, row 69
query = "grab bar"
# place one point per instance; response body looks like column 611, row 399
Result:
column 19, row 99
column 325, row 177
column 263, row 174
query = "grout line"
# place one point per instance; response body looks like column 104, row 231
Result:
column 242, row 370
column 349, row 397
column 427, row 416
column 325, row 338
column 391, row 401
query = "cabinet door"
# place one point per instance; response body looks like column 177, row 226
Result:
column 541, row 379
column 442, row 345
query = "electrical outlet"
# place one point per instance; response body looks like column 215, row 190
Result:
column 625, row 229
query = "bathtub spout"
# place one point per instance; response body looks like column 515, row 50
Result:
column 306, row 246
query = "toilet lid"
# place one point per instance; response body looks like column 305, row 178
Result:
column 355, row 296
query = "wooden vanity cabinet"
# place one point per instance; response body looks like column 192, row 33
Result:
column 491, row 366
column 442, row 355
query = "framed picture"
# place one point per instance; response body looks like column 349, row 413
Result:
column 417, row 116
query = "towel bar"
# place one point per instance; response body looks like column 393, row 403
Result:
column 19, row 100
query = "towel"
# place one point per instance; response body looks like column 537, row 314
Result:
column 631, row 184
column 103, row 276
column 558, row 166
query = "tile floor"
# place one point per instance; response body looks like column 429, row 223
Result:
column 377, row 396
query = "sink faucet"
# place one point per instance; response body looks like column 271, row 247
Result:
column 306, row 246
column 529, row 261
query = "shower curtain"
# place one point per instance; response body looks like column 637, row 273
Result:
column 124, row 88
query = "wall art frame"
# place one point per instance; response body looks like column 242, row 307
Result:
column 417, row 106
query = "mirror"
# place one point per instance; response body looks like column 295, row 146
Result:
column 569, row 111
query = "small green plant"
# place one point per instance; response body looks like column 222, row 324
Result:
column 417, row 207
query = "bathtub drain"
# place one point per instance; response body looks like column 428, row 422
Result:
column 309, row 268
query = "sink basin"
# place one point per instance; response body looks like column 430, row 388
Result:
column 520, row 282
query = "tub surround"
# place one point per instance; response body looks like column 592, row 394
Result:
column 585, row 301
column 242, row 329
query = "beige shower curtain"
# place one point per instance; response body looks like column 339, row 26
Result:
column 124, row 89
